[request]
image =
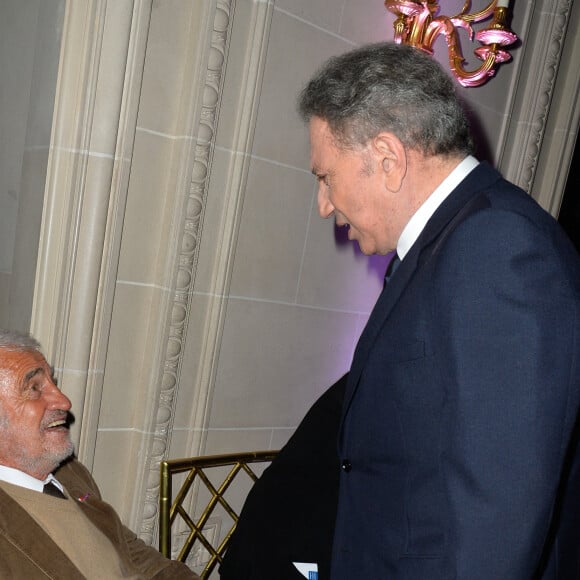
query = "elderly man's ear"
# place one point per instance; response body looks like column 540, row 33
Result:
column 392, row 156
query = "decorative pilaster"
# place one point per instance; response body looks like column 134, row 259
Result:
column 210, row 336
column 103, row 47
column 543, row 47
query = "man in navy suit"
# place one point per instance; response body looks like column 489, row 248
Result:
column 459, row 433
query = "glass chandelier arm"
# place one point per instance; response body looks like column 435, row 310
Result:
column 417, row 25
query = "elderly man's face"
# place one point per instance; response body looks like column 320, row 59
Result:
column 34, row 434
column 351, row 188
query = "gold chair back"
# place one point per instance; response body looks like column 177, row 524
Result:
column 198, row 470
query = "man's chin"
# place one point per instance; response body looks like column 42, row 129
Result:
column 364, row 250
column 50, row 460
column 363, row 247
column 61, row 454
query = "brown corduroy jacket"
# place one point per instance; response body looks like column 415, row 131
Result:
column 26, row 551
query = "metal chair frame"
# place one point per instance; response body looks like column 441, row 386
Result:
column 196, row 466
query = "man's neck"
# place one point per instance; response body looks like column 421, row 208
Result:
column 426, row 173
column 422, row 215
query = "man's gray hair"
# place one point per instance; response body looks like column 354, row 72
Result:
column 393, row 88
column 14, row 340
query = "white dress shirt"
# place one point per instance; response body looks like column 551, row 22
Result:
column 420, row 218
column 17, row 477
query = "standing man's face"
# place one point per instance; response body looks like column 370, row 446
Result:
column 351, row 188
column 34, row 434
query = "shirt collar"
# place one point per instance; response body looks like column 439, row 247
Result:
column 17, row 477
column 420, row 218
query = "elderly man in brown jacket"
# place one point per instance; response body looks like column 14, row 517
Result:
column 53, row 522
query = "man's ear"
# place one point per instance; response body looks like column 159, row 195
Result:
column 392, row 157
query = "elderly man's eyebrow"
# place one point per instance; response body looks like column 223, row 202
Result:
column 31, row 374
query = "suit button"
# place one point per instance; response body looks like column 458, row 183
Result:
column 346, row 465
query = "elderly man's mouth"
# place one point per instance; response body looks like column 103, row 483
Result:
column 57, row 425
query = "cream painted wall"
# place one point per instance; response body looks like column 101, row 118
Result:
column 30, row 32
column 187, row 292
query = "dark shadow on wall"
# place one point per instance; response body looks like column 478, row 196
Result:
column 483, row 151
column 569, row 216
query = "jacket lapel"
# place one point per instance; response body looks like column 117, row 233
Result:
column 21, row 530
column 452, row 211
column 101, row 514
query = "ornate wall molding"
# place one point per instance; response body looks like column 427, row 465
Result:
column 563, row 123
column 543, row 46
column 187, row 259
column 187, row 256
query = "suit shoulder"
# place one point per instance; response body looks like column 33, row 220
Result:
column 505, row 243
column 504, row 217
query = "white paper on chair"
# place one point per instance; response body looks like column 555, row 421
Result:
column 307, row 570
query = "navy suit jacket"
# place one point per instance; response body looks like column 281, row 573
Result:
column 459, row 429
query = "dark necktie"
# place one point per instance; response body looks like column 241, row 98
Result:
column 51, row 489
column 391, row 268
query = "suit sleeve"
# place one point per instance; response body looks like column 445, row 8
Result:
column 507, row 337
column 152, row 563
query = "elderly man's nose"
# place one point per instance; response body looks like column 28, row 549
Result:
column 57, row 399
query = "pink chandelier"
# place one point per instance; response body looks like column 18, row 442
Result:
column 418, row 24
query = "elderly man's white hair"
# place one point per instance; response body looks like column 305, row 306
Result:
column 15, row 340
